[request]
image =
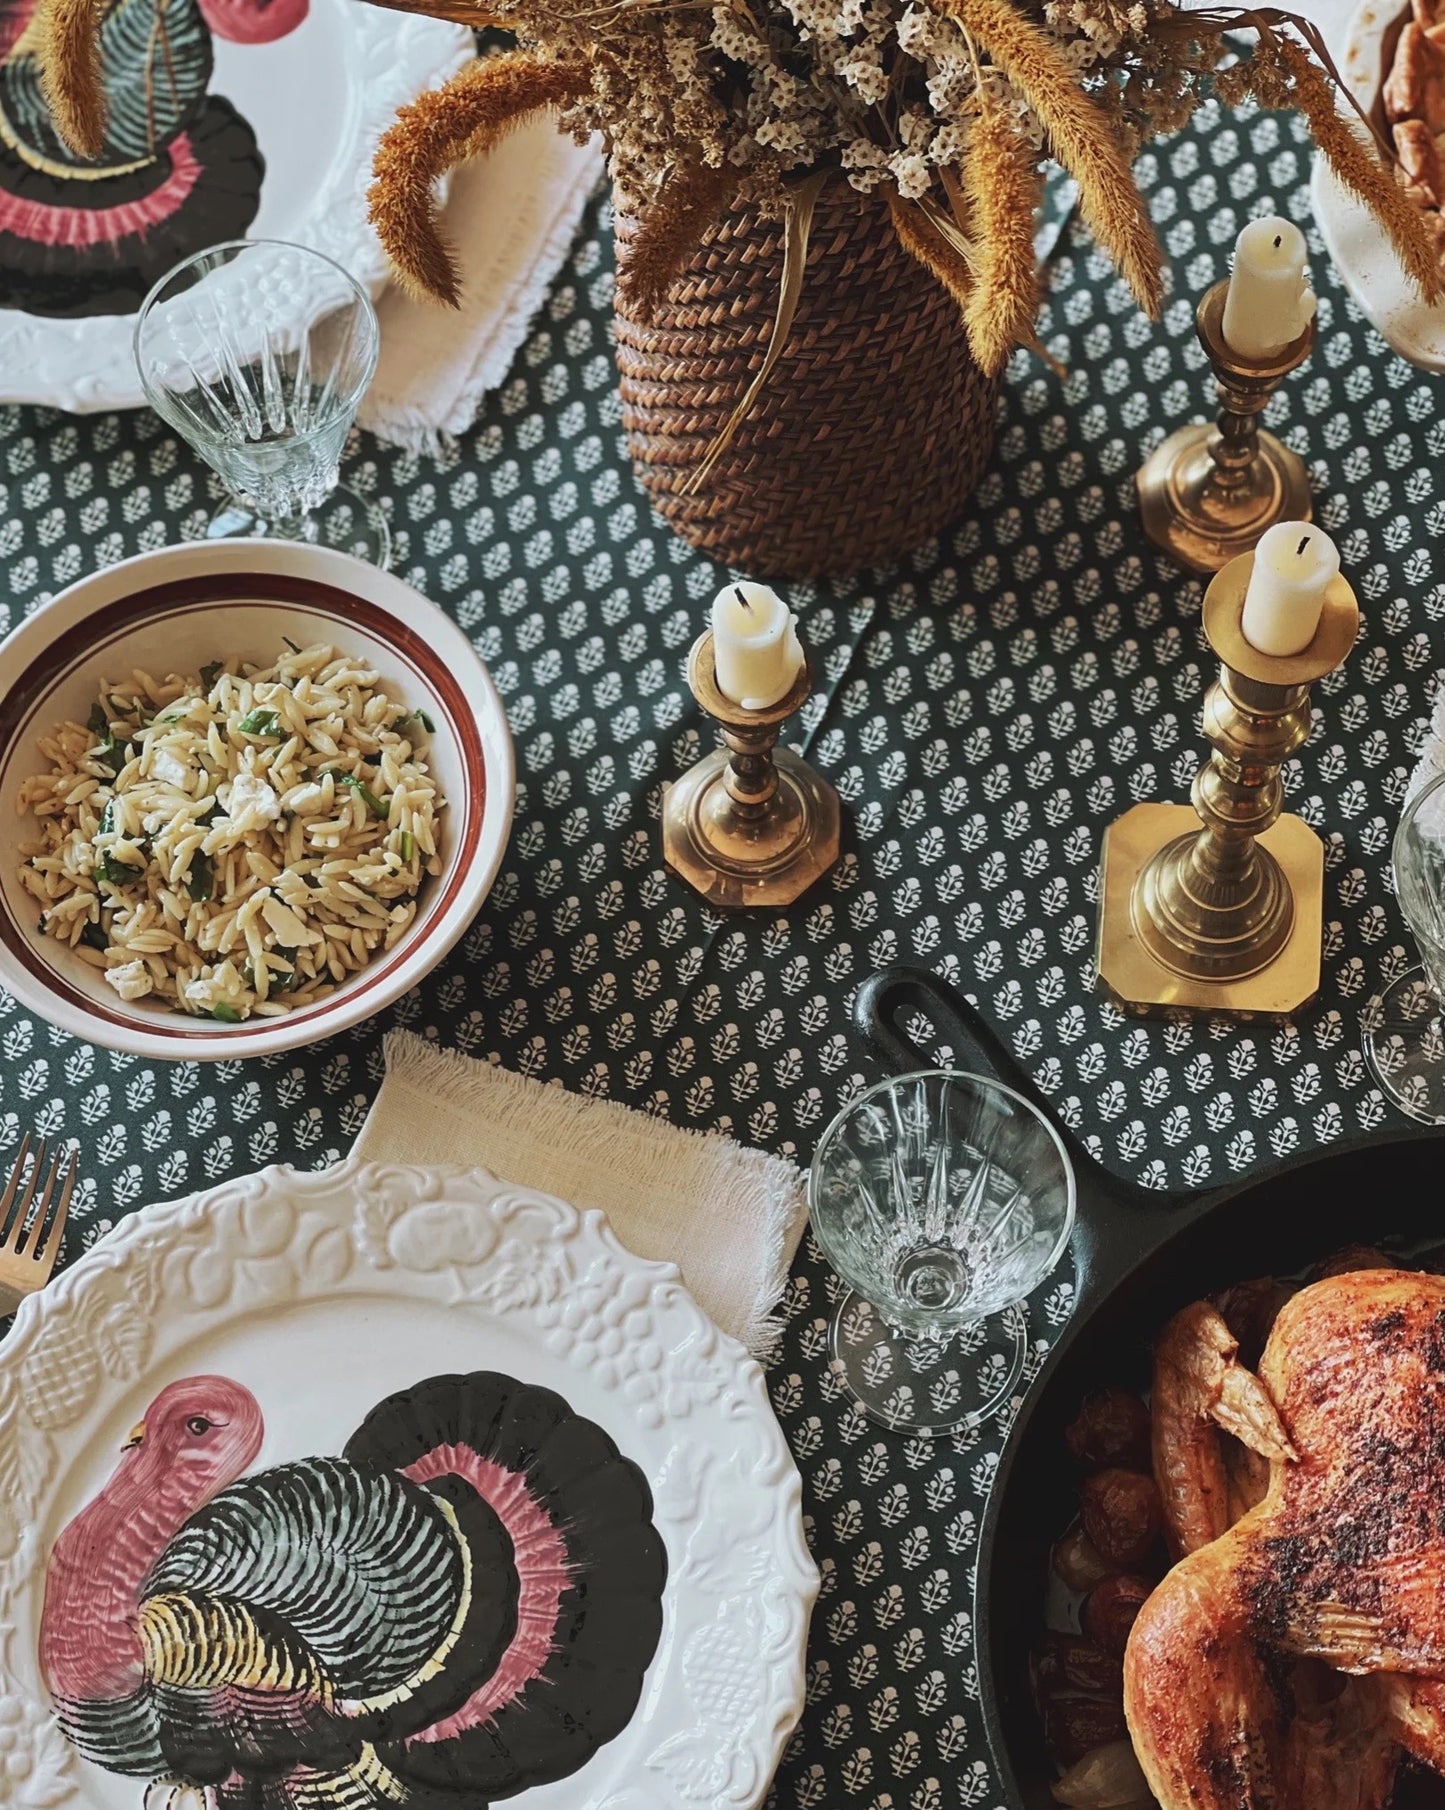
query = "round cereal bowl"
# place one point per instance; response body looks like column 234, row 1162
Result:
column 176, row 610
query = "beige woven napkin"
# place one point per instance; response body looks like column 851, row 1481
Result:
column 730, row 1218
column 511, row 218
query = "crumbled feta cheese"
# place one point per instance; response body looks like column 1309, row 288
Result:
column 203, row 994
column 132, row 980
column 306, row 800
column 170, row 769
column 250, row 802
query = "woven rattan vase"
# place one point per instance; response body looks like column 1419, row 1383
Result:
column 871, row 430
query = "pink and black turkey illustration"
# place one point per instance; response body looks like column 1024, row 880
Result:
column 461, row 1605
column 179, row 169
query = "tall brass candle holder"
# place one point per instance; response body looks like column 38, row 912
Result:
column 1227, row 917
column 750, row 823
column 1210, row 490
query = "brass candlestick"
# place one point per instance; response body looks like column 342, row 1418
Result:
column 1210, row 490
column 751, row 823
column 1228, row 917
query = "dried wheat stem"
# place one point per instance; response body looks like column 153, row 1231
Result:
column 449, row 126
column 919, row 236
column 1082, row 136
column 1003, row 184
column 70, row 72
column 1355, row 163
column 668, row 231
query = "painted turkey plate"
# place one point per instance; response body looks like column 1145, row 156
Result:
column 228, row 119
column 389, row 1489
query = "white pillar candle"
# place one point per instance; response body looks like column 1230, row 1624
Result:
column 1269, row 302
column 755, row 645
column 1293, row 565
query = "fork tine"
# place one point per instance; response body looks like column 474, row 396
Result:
column 50, row 1221
column 17, row 1170
column 29, row 1209
column 13, row 1237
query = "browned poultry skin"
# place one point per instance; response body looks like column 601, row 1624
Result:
column 1343, row 1561
column 1200, row 1387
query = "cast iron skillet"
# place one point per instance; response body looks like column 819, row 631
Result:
column 1139, row 1256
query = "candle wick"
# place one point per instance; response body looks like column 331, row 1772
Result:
column 1301, row 547
column 738, row 593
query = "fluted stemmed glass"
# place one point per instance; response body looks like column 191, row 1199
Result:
column 942, row 1199
column 1404, row 1027
column 258, row 353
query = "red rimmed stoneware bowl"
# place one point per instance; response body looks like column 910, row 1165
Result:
column 175, row 610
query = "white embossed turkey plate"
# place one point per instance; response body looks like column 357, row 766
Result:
column 229, row 119
column 426, row 1466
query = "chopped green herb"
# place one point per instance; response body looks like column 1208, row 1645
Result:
column 201, row 880
column 408, row 845
column 107, row 820
column 117, row 873
column 114, row 752
column 94, row 937
column 260, row 722
column 98, row 723
column 379, row 807
column 173, row 716
column 209, row 675
column 210, row 814
column 291, row 644
column 416, row 716
column 226, row 1014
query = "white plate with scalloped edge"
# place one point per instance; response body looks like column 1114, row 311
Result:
column 281, row 106
column 206, row 1343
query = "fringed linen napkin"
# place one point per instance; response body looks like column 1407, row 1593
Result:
column 730, row 1218
column 511, row 218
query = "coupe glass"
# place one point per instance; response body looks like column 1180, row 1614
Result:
column 258, row 353
column 1403, row 1030
column 942, row 1199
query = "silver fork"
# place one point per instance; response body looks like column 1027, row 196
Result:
column 33, row 1211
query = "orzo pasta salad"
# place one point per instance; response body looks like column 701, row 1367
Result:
column 238, row 840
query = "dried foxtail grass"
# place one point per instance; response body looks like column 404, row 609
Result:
column 70, row 72
column 1355, row 162
column 1003, row 183
column 1083, row 137
column 668, row 232
column 449, row 126
column 944, row 259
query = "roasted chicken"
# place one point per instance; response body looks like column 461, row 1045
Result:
column 1229, row 1692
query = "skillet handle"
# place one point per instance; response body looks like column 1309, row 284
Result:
column 884, row 997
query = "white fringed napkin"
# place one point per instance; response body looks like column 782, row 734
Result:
column 730, row 1218
column 511, row 218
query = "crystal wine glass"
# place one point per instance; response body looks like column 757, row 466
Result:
column 1403, row 1028
column 258, row 353
column 942, row 1199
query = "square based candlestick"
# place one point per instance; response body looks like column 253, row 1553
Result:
column 1218, row 905
column 1209, row 491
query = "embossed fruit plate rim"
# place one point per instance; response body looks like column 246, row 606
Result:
column 1367, row 264
column 325, row 1293
column 317, row 100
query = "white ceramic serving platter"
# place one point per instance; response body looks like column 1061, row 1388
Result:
column 317, row 100
column 1361, row 253
column 325, row 1293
